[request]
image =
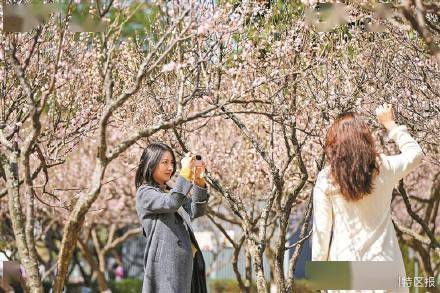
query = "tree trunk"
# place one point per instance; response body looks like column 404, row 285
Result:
column 36, row 284
column 96, row 266
column 18, row 224
column 257, row 256
column 424, row 260
column 271, row 259
column 244, row 286
column 101, row 272
column 248, row 269
column 67, row 246
column 280, row 279
column 73, row 227
column 102, row 283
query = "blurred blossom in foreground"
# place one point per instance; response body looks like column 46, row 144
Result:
column 25, row 18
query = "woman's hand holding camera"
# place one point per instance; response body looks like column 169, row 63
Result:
column 193, row 169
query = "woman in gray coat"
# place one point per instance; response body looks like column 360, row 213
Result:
column 173, row 261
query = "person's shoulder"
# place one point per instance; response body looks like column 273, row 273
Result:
column 324, row 182
column 323, row 178
column 324, row 174
column 146, row 188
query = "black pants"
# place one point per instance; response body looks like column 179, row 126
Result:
column 198, row 282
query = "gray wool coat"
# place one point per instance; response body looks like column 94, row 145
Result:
column 168, row 260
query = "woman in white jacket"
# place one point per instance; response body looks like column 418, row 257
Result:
column 352, row 195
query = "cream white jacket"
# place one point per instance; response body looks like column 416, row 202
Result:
column 362, row 230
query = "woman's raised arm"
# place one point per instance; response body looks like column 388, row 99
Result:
column 410, row 157
column 411, row 153
column 150, row 200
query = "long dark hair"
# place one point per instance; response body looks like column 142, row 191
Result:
column 149, row 160
column 352, row 156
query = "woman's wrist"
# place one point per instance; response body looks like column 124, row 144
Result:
column 390, row 125
column 200, row 182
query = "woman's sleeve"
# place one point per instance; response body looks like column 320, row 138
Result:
column 198, row 203
column 322, row 223
column 150, row 201
column 409, row 158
